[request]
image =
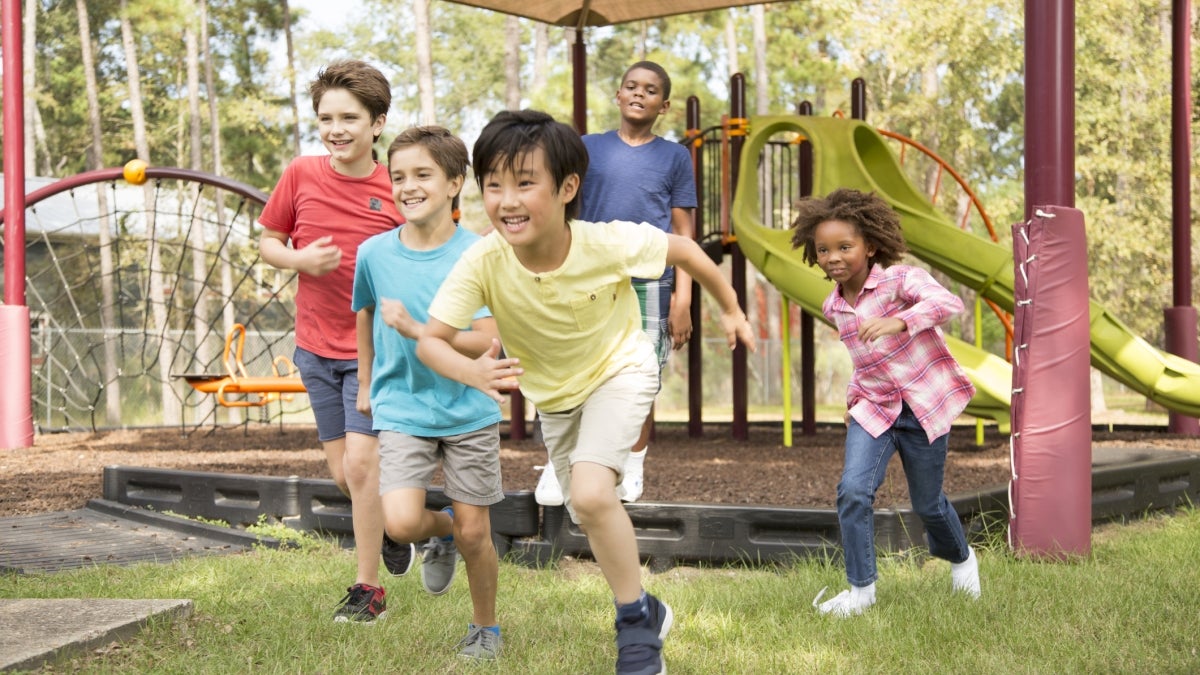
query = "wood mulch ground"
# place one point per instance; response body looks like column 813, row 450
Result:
column 63, row 471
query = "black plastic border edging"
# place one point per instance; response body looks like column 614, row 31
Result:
column 668, row 533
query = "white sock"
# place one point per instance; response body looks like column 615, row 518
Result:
column 863, row 594
column 637, row 457
column 964, row 576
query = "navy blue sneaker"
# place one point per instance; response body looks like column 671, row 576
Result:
column 640, row 641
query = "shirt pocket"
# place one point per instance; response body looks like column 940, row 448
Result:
column 593, row 308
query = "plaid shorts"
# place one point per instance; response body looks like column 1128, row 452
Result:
column 654, row 298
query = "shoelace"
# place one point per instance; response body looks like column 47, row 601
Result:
column 357, row 597
column 482, row 636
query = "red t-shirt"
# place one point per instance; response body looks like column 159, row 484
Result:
column 311, row 201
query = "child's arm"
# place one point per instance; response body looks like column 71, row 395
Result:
column 472, row 343
column 364, row 319
column 680, row 319
column 686, row 254
column 929, row 304
column 318, row 258
column 485, row 372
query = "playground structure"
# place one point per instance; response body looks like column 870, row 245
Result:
column 130, row 287
column 255, row 391
column 843, row 152
column 1048, row 183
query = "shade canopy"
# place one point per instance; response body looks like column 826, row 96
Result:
column 581, row 13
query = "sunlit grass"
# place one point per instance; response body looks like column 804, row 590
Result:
column 1129, row 606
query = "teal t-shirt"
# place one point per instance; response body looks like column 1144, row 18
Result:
column 406, row 396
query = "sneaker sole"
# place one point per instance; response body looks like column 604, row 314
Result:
column 346, row 619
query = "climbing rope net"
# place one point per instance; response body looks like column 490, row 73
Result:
column 131, row 287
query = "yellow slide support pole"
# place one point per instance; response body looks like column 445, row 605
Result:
column 785, row 334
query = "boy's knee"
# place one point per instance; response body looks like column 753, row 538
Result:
column 403, row 527
column 472, row 532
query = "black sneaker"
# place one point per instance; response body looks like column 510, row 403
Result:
column 397, row 558
column 639, row 643
column 362, row 604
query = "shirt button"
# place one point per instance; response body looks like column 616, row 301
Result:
column 593, row 296
column 538, row 279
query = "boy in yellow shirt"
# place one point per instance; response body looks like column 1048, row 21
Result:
column 561, row 296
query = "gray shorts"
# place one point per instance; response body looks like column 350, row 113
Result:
column 332, row 386
column 470, row 464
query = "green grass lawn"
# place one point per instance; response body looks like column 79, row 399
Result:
column 1131, row 606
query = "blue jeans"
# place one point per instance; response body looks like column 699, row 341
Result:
column 864, row 470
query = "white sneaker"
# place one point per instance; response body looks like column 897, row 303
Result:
column 847, row 603
column 630, row 489
column 964, row 576
column 548, row 492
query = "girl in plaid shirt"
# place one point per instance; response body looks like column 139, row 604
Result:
column 906, row 388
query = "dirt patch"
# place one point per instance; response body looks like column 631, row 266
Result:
column 62, row 471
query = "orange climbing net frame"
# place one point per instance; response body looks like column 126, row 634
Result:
column 944, row 167
column 258, row 391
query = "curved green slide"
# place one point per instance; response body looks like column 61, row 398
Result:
column 849, row 153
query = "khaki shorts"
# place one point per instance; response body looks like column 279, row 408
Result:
column 605, row 427
column 470, row 463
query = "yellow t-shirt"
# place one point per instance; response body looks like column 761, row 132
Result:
column 572, row 328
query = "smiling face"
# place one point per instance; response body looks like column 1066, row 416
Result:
column 641, row 97
column 348, row 132
column 423, row 192
column 843, row 254
column 522, row 201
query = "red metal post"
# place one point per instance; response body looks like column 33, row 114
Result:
column 737, row 113
column 16, row 401
column 808, row 353
column 696, row 343
column 1180, row 319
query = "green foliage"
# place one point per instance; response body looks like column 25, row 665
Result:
column 949, row 76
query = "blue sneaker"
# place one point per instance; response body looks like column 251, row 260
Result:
column 640, row 642
column 440, row 560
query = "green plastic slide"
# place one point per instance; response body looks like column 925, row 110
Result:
column 849, row 153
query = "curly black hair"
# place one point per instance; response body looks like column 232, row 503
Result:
column 874, row 218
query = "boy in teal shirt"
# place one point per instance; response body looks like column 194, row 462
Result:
column 421, row 416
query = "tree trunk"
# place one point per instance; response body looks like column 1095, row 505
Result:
column 202, row 339
column 108, row 327
column 762, row 100
column 512, row 63
column 291, row 75
column 541, row 51
column 731, row 44
column 172, row 412
column 424, row 37
column 218, row 167
column 29, row 82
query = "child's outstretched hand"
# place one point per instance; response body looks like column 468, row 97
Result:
column 874, row 328
column 737, row 328
column 493, row 376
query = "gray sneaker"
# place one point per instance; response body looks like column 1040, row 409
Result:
column 480, row 643
column 440, row 560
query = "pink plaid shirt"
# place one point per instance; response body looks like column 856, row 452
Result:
column 914, row 366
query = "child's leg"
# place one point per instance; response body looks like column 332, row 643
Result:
column 608, row 528
column 471, row 463
column 406, row 466
column 924, row 468
column 608, row 424
column 361, row 464
column 863, row 472
column 473, row 535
